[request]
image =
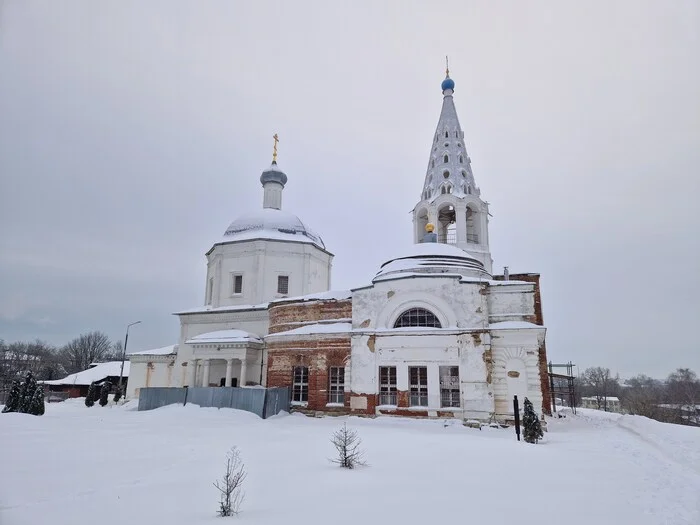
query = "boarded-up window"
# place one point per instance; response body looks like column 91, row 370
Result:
column 283, row 284
column 237, row 284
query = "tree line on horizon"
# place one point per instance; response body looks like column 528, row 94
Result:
column 675, row 399
column 48, row 362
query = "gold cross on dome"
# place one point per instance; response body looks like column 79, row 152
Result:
column 274, row 148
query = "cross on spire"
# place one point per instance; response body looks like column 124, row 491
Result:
column 274, row 148
column 447, row 66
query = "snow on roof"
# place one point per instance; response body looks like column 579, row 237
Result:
column 331, row 295
column 318, row 328
column 208, row 308
column 96, row 373
column 270, row 224
column 432, row 258
column 166, row 350
column 513, row 325
column 609, row 398
column 225, row 336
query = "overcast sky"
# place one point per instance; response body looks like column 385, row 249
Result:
column 132, row 133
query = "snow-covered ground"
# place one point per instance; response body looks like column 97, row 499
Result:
column 115, row 465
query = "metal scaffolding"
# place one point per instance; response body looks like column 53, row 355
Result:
column 562, row 386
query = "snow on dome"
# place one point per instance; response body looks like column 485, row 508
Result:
column 271, row 224
column 273, row 174
column 432, row 258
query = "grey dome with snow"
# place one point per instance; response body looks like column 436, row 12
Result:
column 271, row 224
column 432, row 258
column 273, row 174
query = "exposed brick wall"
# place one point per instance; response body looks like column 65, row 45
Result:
column 539, row 320
column 318, row 354
column 287, row 316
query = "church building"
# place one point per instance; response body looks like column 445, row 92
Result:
column 434, row 333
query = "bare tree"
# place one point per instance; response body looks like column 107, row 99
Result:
column 682, row 394
column 231, row 484
column 86, row 349
column 347, row 445
column 599, row 383
column 643, row 396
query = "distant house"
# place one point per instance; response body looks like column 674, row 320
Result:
column 76, row 385
column 609, row 404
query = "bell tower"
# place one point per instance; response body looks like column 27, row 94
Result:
column 450, row 199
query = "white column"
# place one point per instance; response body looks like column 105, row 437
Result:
column 461, row 222
column 205, row 375
column 192, row 373
column 229, row 371
column 241, row 380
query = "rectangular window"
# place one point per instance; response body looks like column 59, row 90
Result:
column 336, row 385
column 418, row 379
column 236, row 284
column 449, row 386
column 387, row 385
column 283, row 284
column 300, row 384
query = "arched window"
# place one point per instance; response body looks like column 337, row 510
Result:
column 417, row 317
column 446, row 159
column 432, row 163
column 443, row 190
column 446, row 174
column 447, row 134
column 461, row 159
column 469, row 190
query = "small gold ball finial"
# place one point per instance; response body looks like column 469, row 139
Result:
column 429, row 227
column 274, row 148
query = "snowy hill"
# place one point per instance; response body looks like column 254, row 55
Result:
column 114, row 465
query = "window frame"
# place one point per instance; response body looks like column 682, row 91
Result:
column 388, row 389
column 336, row 385
column 416, row 313
column 300, row 385
column 280, row 279
column 450, row 392
column 418, row 386
column 234, row 277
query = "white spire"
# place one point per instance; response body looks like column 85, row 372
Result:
column 450, row 199
column 449, row 166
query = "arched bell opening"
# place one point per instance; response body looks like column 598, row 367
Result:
column 447, row 224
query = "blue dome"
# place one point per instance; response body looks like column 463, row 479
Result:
column 448, row 83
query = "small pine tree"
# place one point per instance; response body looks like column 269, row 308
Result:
column 347, row 444
column 117, row 394
column 532, row 430
column 13, row 398
column 104, row 393
column 36, row 407
column 27, row 393
column 90, row 397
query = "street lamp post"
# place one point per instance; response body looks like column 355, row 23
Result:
column 126, row 340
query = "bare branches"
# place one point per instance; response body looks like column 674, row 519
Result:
column 231, row 485
column 347, row 444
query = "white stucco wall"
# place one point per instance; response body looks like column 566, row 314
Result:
column 516, row 351
column 145, row 371
column 456, row 304
column 260, row 262
column 513, row 301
